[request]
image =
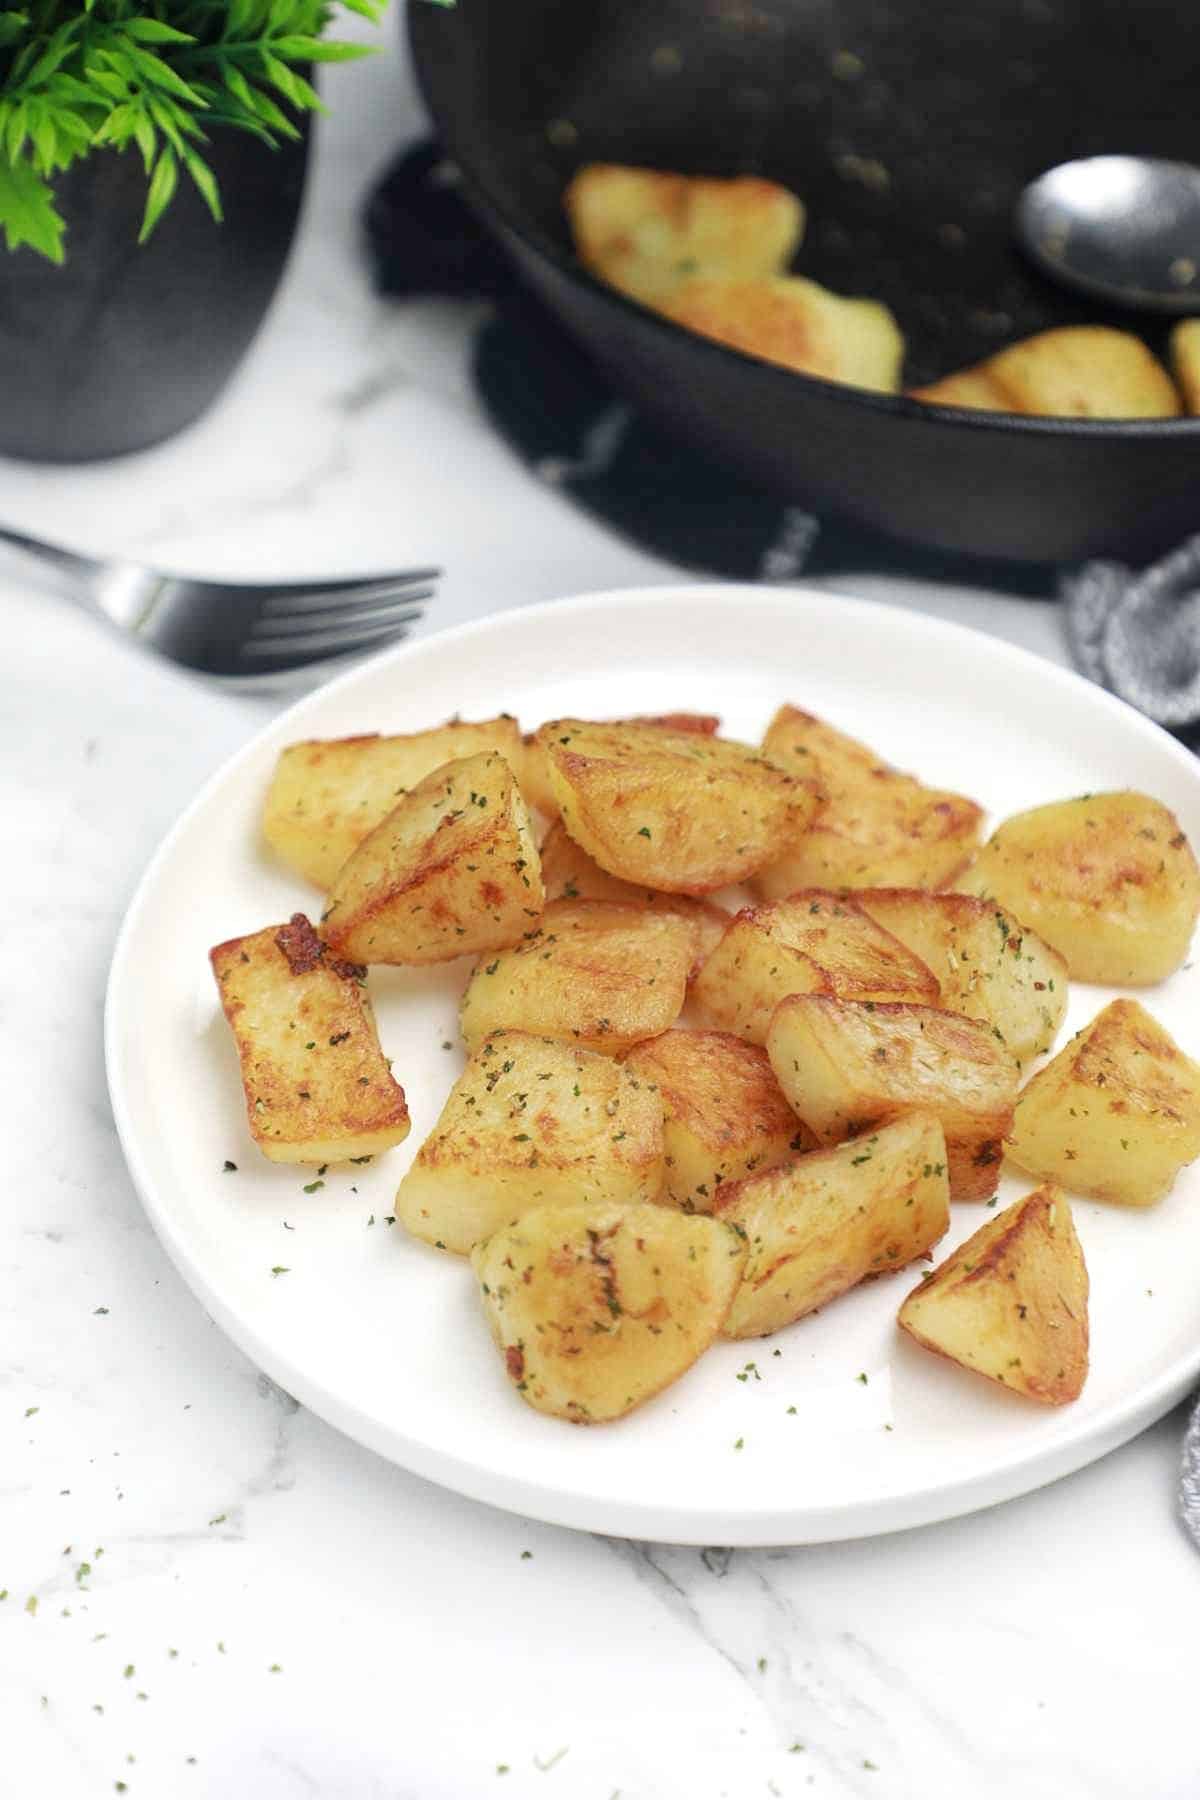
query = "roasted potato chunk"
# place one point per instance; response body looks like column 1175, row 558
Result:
column 1185, row 362
column 1108, row 880
column 535, row 764
column 671, row 809
column 989, row 966
column 596, row 1306
column 318, row 1088
column 644, row 232
column 793, row 322
column 326, row 795
column 569, row 873
column 452, row 870
column 819, row 1224
column 876, row 827
column 848, row 1066
column 814, row 943
column 531, row 1123
column 724, row 1114
column 1012, row 1302
column 1116, row 1114
column 1074, row 372
column 593, row 973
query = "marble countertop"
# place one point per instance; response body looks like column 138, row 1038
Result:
column 207, row 1592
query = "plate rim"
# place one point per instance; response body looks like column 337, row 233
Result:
column 650, row 1521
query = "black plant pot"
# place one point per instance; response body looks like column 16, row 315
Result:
column 124, row 344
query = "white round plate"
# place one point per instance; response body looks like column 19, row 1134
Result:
column 779, row 1441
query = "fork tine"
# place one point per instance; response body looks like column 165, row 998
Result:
column 330, row 595
column 333, row 640
column 337, row 615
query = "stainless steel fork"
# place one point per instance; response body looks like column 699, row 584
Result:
column 243, row 630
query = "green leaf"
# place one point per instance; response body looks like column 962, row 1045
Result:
column 57, row 50
column 161, row 75
column 146, row 141
column 269, row 113
column 43, row 137
column 12, row 26
column 240, row 14
column 366, row 9
column 165, row 121
column 205, row 180
column 119, row 64
column 238, row 121
column 16, row 130
column 153, row 31
column 163, row 183
column 120, row 124
column 27, row 211
column 292, row 86
column 66, row 88
column 282, row 78
column 75, row 135
column 318, row 50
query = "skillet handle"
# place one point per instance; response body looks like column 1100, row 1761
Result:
column 845, row 550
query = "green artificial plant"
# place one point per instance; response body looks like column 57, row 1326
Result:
column 153, row 80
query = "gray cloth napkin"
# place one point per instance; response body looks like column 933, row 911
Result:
column 1139, row 634
column 1189, row 1479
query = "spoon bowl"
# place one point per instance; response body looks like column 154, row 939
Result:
column 1120, row 228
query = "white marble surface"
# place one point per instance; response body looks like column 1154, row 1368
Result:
column 211, row 1594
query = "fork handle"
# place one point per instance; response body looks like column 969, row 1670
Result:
column 68, row 562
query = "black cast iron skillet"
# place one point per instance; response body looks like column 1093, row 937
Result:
column 908, row 129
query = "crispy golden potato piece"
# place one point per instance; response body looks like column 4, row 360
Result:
column 819, row 1224
column 569, row 873
column 596, row 1306
column 593, row 973
column 989, row 966
column 327, row 794
column 1184, row 347
column 674, row 810
column 797, row 324
column 978, row 388
column 724, row 1114
column 814, row 943
column 1116, row 1114
column 644, row 232
column 1012, row 1302
column 848, row 1066
column 535, row 764
column 876, row 827
column 1108, row 880
column 318, row 1088
column 531, row 1123
column 1074, row 372
column 452, row 870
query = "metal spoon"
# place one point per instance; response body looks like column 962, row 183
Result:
column 1123, row 228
